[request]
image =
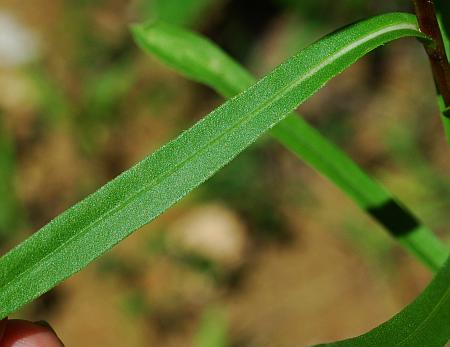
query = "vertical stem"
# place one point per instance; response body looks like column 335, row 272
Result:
column 426, row 16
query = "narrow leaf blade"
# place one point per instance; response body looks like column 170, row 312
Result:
column 201, row 60
column 90, row 228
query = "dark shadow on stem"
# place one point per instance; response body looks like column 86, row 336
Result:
column 398, row 220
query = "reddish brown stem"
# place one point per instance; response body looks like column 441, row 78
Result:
column 426, row 16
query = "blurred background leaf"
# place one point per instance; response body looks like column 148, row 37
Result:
column 11, row 213
column 213, row 329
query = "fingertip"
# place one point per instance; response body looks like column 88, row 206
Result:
column 20, row 333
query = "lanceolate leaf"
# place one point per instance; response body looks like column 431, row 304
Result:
column 139, row 195
column 425, row 322
column 202, row 61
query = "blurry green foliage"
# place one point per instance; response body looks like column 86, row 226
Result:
column 213, row 329
column 374, row 247
column 158, row 246
column 200, row 264
column 11, row 214
column 403, row 145
column 106, row 89
column 53, row 103
column 236, row 185
column 186, row 12
column 157, row 242
column 115, row 265
column 325, row 9
column 158, row 97
column 135, row 304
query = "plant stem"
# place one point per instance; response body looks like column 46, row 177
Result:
column 426, row 16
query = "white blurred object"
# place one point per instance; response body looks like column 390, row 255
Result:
column 212, row 231
column 18, row 45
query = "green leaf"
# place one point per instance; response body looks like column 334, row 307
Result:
column 443, row 12
column 424, row 322
column 202, row 61
column 90, row 228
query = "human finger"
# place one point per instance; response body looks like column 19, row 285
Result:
column 20, row 333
